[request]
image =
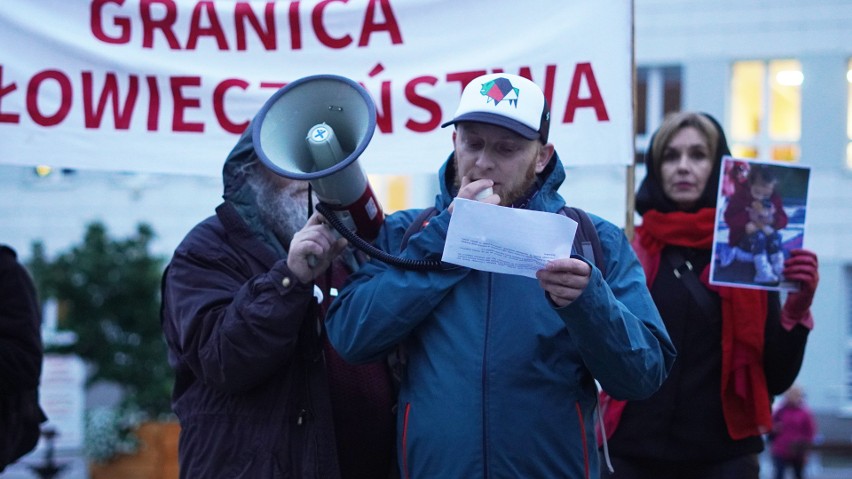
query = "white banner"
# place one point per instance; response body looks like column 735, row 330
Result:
column 168, row 85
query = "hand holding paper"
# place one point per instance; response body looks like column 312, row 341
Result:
column 564, row 280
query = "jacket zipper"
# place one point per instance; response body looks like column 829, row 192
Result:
column 583, row 439
column 405, row 441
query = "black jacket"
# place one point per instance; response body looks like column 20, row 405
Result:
column 683, row 420
column 251, row 391
column 21, row 357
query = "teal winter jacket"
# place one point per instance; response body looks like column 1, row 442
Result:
column 498, row 381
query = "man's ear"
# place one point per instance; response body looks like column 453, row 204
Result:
column 544, row 155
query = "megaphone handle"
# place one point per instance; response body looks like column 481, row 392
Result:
column 312, row 259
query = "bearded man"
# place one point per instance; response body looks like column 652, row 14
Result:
column 500, row 369
column 259, row 392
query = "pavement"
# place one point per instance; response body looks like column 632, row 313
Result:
column 822, row 467
column 819, row 467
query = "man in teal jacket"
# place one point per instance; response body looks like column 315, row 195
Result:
column 500, row 370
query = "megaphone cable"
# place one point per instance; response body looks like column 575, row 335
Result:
column 358, row 242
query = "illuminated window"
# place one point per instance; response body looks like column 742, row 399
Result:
column 766, row 109
column 849, row 116
column 658, row 93
column 392, row 191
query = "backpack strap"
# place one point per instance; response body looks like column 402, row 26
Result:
column 683, row 271
column 586, row 241
column 420, row 222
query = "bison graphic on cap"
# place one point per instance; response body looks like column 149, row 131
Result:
column 500, row 89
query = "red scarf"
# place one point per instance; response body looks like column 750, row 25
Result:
column 745, row 399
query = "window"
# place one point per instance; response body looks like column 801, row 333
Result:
column 658, row 93
column 392, row 191
column 766, row 109
column 849, row 116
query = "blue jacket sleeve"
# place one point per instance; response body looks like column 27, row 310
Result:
column 390, row 301
column 616, row 325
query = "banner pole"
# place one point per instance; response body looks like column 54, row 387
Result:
column 630, row 202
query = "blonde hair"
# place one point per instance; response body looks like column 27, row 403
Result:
column 673, row 123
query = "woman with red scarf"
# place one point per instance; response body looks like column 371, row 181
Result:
column 736, row 347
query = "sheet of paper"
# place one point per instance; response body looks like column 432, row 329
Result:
column 506, row 240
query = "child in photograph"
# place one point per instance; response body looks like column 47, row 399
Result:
column 735, row 176
column 754, row 216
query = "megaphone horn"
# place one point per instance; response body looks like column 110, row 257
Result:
column 315, row 129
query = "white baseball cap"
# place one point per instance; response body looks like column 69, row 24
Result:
column 505, row 100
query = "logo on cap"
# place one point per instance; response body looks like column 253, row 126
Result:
column 500, row 89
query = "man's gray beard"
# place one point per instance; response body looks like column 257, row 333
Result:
column 282, row 210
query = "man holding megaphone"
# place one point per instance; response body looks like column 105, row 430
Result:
column 500, row 369
column 259, row 391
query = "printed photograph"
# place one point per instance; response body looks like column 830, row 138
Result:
column 760, row 219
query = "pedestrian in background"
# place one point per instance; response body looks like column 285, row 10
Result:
column 793, row 432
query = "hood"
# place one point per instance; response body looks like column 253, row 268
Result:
column 240, row 195
column 650, row 195
column 233, row 172
column 544, row 196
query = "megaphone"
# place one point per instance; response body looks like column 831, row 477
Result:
column 315, row 129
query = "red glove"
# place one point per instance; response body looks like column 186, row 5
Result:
column 801, row 266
